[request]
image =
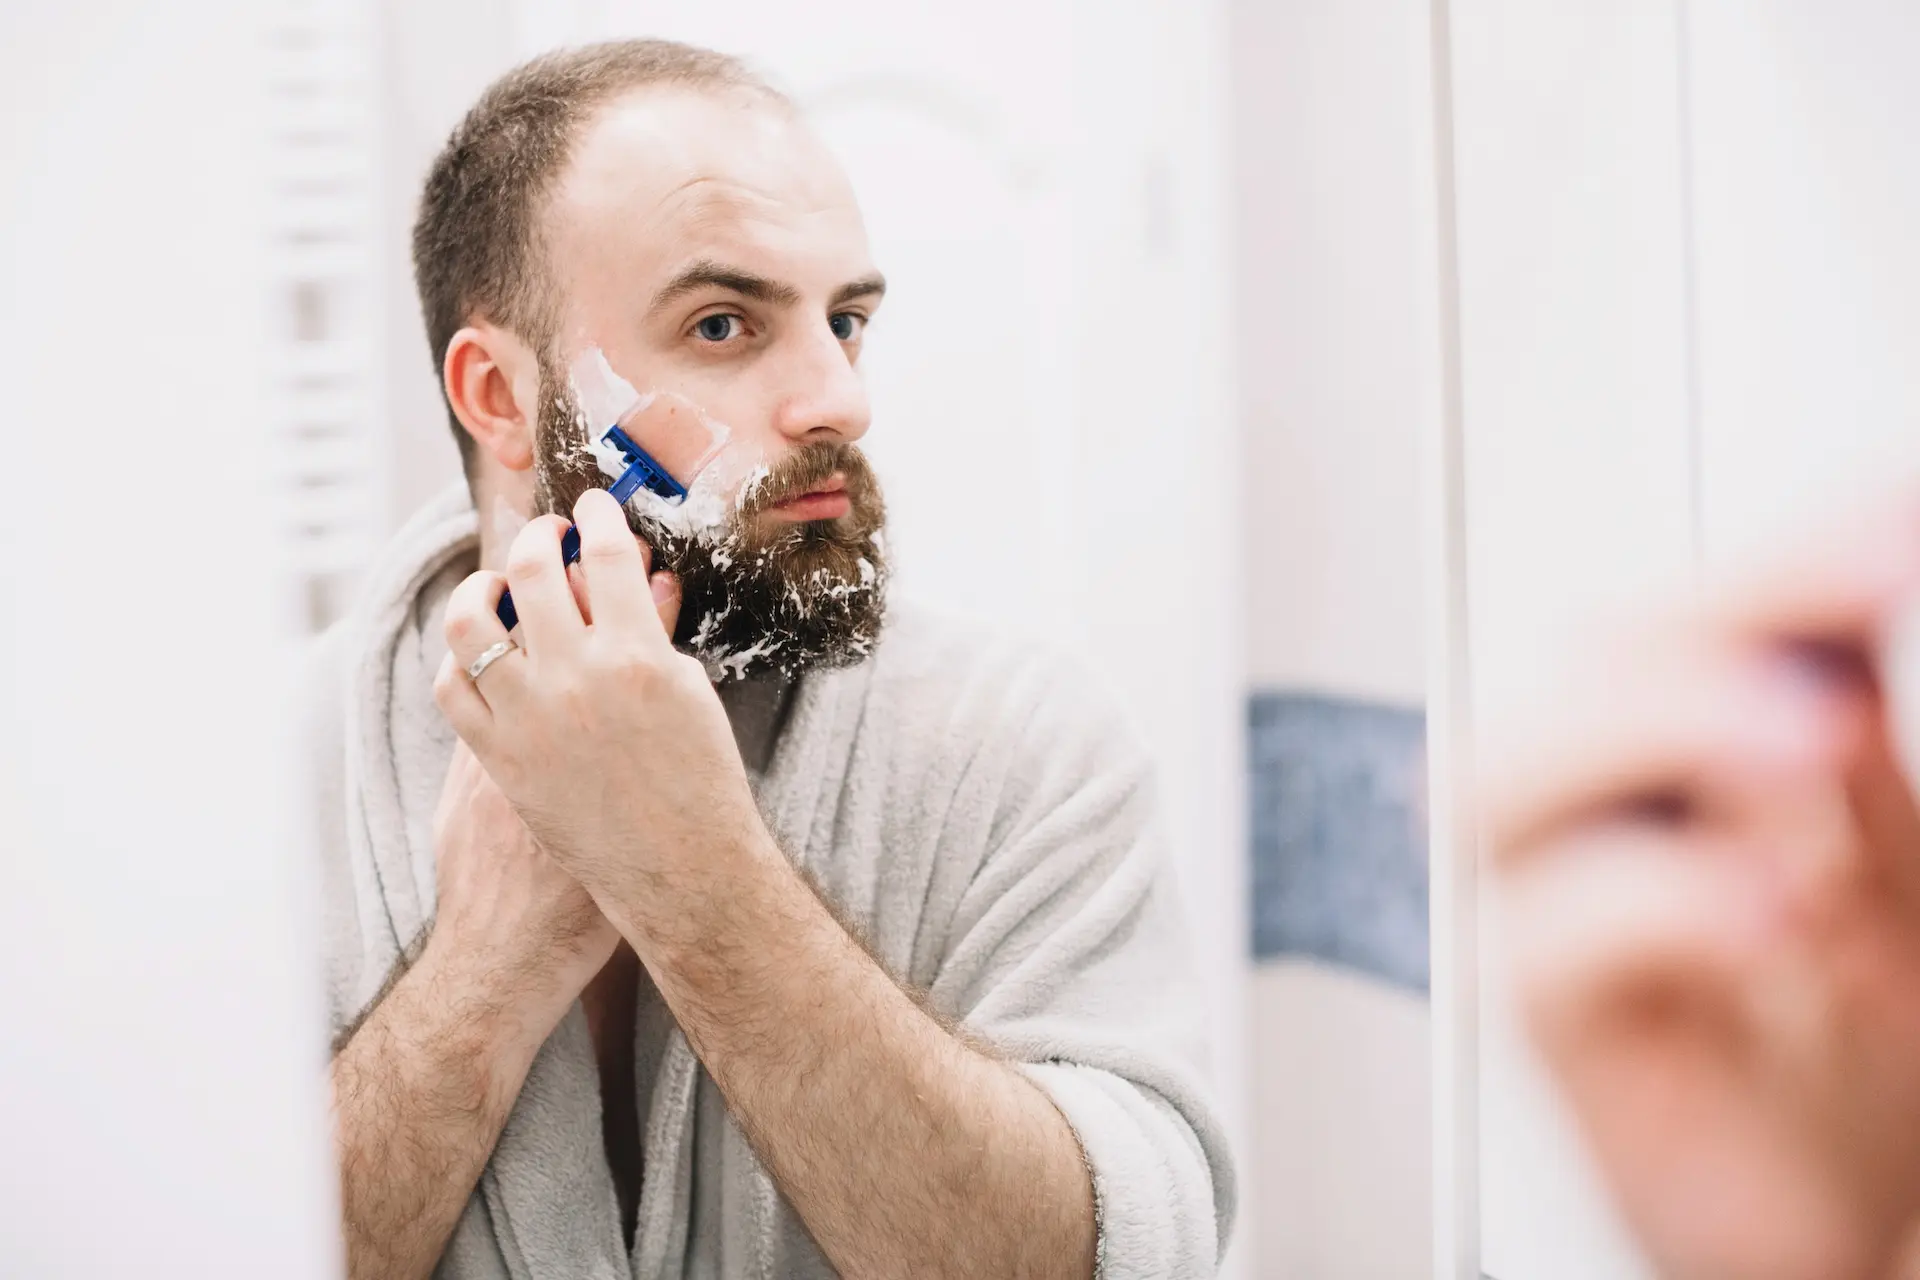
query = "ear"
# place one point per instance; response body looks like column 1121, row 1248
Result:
column 493, row 384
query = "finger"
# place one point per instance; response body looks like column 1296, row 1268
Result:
column 1840, row 584
column 1885, row 811
column 614, row 567
column 665, row 588
column 472, row 627
column 1700, row 731
column 582, row 597
column 461, row 703
column 1626, row 925
column 549, row 620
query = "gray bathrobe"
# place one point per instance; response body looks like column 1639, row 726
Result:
column 982, row 816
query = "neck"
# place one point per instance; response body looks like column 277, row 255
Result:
column 501, row 517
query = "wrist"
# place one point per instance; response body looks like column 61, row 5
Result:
column 716, row 910
column 488, row 1001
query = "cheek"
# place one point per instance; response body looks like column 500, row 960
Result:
column 740, row 462
column 737, row 435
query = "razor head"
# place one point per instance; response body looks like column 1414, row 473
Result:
column 643, row 471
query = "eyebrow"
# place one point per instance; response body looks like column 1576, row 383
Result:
column 873, row 286
column 708, row 274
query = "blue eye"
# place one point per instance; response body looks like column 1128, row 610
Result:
column 846, row 325
column 717, row 328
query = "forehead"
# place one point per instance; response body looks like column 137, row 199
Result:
column 661, row 177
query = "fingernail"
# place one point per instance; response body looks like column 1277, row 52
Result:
column 662, row 586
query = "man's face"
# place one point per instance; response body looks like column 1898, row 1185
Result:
column 710, row 249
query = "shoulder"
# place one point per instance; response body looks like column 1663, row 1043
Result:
column 1026, row 699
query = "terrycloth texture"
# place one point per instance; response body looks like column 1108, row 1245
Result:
column 983, row 819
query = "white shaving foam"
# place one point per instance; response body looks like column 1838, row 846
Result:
column 604, row 398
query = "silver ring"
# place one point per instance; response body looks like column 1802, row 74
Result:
column 494, row 653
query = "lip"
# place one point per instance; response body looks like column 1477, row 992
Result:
column 827, row 500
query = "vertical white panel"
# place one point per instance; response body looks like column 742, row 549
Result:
column 1453, row 867
column 1577, row 458
column 161, row 1064
column 1328, row 323
column 1325, row 128
column 1808, row 197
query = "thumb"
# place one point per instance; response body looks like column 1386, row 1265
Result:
column 666, row 598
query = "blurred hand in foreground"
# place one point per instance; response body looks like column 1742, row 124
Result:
column 1710, row 864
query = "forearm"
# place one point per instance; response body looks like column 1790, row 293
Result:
column 904, row 1149
column 420, row 1094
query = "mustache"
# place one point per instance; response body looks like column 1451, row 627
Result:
column 806, row 467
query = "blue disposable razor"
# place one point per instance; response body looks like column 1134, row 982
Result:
column 642, row 473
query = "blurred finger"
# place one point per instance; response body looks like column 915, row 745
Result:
column 1841, row 584
column 1698, row 731
column 1884, row 809
column 1629, row 924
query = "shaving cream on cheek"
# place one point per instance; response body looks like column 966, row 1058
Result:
column 684, row 438
column 601, row 394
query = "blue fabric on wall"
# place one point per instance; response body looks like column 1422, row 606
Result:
column 1339, row 833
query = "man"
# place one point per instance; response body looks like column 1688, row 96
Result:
column 864, row 960
column 1711, row 858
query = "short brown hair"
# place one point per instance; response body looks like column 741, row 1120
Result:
column 476, row 240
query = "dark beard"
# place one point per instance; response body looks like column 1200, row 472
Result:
column 756, row 595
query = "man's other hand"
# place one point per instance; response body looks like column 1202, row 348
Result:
column 613, row 746
column 511, row 923
column 1711, row 866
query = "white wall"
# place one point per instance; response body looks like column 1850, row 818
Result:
column 1325, row 135
column 436, row 57
column 161, row 1066
column 1807, row 195
column 1327, row 129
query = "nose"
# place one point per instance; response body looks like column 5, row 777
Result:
column 829, row 399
